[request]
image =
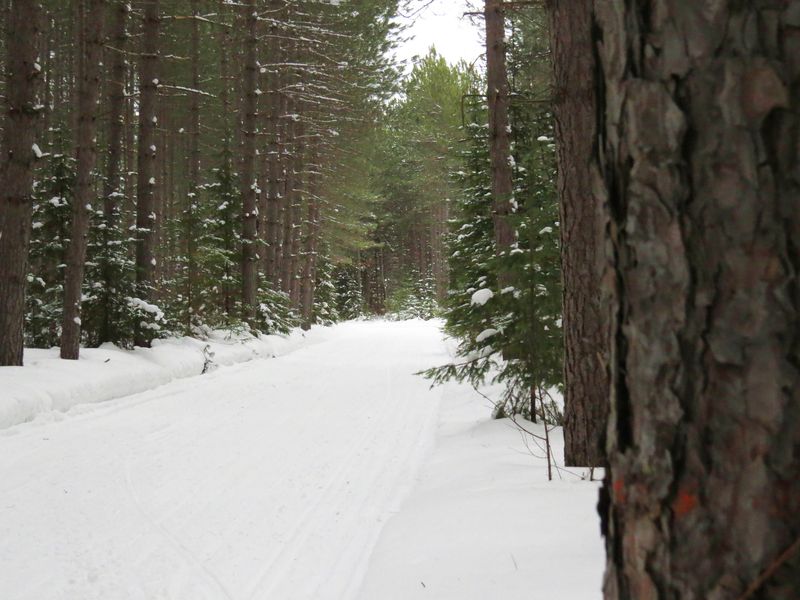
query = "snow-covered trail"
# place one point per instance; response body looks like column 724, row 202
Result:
column 267, row 480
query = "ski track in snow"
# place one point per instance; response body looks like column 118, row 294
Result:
column 269, row 480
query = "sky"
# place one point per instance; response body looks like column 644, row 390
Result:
column 443, row 25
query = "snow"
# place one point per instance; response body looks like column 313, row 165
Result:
column 331, row 472
column 47, row 387
column 485, row 335
column 481, row 297
column 483, row 522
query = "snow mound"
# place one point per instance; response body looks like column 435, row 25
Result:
column 485, row 335
column 481, row 297
column 48, row 386
column 484, row 522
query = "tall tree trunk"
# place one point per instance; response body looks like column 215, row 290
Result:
column 146, row 160
column 23, row 29
column 585, row 337
column 297, row 196
column 284, row 152
column 224, row 40
column 92, row 41
column 698, row 133
column 290, row 182
column 249, row 185
column 116, row 132
column 192, row 203
column 497, row 94
column 308, row 277
column 130, row 150
column 273, row 158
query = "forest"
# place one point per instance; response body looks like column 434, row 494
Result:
column 550, row 291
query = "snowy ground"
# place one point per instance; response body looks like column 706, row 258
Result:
column 47, row 387
column 331, row 472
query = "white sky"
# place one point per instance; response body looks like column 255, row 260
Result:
column 442, row 25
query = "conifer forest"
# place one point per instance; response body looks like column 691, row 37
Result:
column 399, row 299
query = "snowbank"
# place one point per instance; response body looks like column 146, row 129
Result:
column 47, row 386
column 484, row 521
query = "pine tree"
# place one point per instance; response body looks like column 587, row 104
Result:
column 146, row 215
column 16, row 170
column 91, row 41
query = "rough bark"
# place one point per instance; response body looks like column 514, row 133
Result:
column 273, row 158
column 249, row 185
column 499, row 126
column 284, row 157
column 224, row 41
column 192, row 300
column 308, row 277
column 585, row 341
column 297, row 196
column 91, row 40
column 116, row 132
column 699, row 156
column 291, row 147
column 146, row 160
column 16, row 171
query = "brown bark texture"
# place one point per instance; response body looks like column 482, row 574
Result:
column 23, row 30
column 146, row 209
column 497, row 93
column 585, row 336
column 291, row 147
column 297, row 196
column 116, row 132
column 281, row 182
column 700, row 160
column 192, row 202
column 249, row 185
column 308, row 279
column 273, row 158
column 91, row 40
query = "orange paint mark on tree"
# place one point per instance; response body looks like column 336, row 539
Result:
column 619, row 490
column 684, row 503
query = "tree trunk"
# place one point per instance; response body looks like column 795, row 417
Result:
column 499, row 135
column 116, row 131
column 309, row 272
column 92, row 41
column 284, row 157
column 16, row 171
column 192, row 203
column 146, row 160
column 224, row 41
column 249, row 185
column 297, row 196
column 699, row 159
column 273, row 158
column 585, row 342
column 290, row 181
